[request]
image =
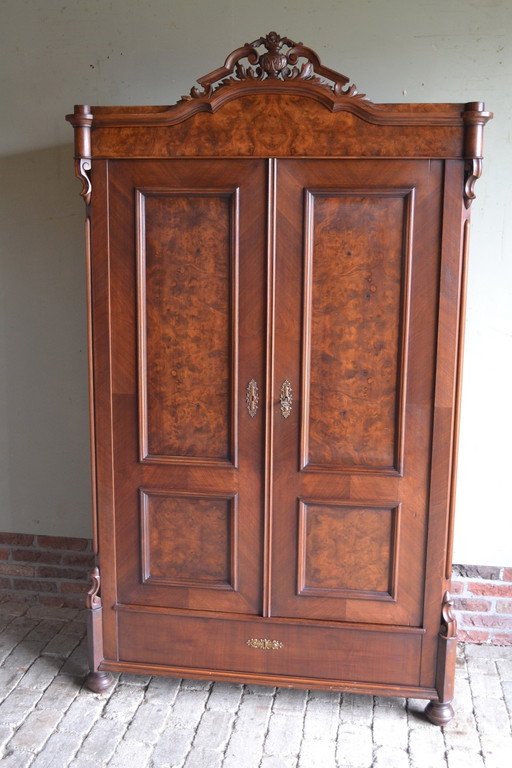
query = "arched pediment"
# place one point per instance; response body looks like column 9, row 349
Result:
column 274, row 98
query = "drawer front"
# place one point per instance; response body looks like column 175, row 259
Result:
column 270, row 647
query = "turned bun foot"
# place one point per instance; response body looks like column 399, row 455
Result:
column 439, row 713
column 98, row 681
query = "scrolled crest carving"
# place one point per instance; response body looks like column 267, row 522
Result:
column 283, row 60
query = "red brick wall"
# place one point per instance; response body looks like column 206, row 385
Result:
column 482, row 597
column 55, row 571
column 46, row 569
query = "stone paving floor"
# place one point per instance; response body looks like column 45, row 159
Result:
column 47, row 720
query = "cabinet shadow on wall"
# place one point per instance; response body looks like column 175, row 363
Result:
column 44, row 448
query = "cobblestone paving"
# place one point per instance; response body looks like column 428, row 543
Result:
column 47, row 720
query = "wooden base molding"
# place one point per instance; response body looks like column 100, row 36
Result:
column 303, row 682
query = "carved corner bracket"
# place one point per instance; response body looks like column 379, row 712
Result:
column 283, row 60
column 473, row 171
column 448, row 618
column 93, row 600
column 82, row 172
column 475, row 117
column 81, row 120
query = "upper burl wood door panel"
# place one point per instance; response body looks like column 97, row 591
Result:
column 187, row 249
column 357, row 270
column 187, row 323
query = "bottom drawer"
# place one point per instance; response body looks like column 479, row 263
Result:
column 270, row 647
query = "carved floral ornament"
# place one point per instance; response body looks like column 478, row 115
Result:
column 275, row 63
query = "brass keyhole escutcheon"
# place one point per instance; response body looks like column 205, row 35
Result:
column 286, row 398
column 264, row 644
column 252, row 398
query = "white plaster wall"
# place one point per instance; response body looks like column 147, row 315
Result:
column 55, row 53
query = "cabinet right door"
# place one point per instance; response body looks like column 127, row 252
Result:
column 357, row 275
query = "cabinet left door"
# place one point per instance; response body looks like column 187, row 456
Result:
column 179, row 294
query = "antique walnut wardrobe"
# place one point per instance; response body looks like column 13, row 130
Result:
column 276, row 281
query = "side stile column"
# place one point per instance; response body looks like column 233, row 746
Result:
column 96, row 681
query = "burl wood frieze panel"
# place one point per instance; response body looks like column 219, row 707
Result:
column 283, row 126
column 188, row 540
column 357, row 265
column 347, row 550
column 187, row 248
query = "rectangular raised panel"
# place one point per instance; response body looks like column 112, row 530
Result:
column 304, row 651
column 348, row 550
column 188, row 313
column 358, row 253
column 188, row 539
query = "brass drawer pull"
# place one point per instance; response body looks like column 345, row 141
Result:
column 252, row 398
column 286, row 398
column 264, row 644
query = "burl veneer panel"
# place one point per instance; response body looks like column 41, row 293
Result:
column 268, row 125
column 347, row 551
column 188, row 539
column 356, row 254
column 186, row 249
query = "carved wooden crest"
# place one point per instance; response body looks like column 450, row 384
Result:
column 275, row 65
column 283, row 60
